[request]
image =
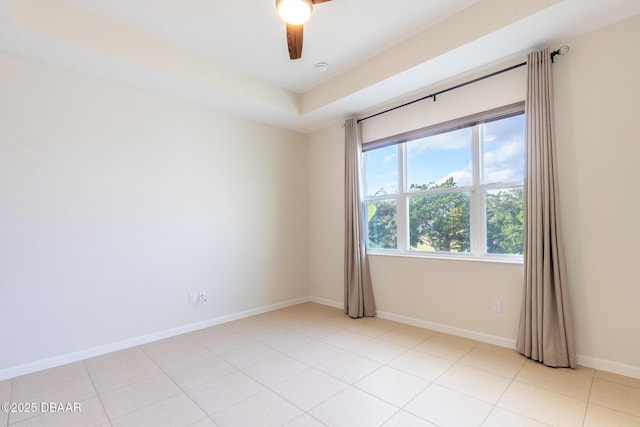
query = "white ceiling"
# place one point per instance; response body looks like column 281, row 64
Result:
column 232, row 55
column 248, row 36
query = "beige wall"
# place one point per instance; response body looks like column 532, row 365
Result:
column 597, row 94
column 325, row 176
column 596, row 98
column 115, row 204
column 450, row 295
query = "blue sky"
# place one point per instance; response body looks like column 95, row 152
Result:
column 439, row 157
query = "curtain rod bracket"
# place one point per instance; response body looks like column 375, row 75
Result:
column 562, row 51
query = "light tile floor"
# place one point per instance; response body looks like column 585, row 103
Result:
column 310, row 365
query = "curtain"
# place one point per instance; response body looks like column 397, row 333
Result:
column 358, row 292
column 546, row 325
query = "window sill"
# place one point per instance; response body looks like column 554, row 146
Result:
column 439, row 257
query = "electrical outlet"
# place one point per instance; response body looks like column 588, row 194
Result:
column 203, row 297
column 497, row 306
column 193, row 298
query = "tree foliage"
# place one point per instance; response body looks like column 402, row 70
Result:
column 440, row 221
column 505, row 221
column 383, row 232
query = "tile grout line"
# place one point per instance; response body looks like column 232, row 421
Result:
column 586, row 407
column 608, row 407
column 10, row 399
column 165, row 373
column 280, row 353
column 494, row 405
column 304, row 412
column 511, row 381
column 314, row 368
column 99, row 395
column 430, row 382
column 106, row 414
column 23, row 395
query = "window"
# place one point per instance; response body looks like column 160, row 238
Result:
column 452, row 189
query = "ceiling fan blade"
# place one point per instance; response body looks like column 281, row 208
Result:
column 319, row 1
column 294, row 41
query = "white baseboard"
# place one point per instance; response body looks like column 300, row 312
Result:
column 478, row 336
column 324, row 301
column 63, row 359
column 587, row 361
column 452, row 330
column 27, row 368
column 609, row 366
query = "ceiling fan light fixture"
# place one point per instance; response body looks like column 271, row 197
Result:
column 294, row 12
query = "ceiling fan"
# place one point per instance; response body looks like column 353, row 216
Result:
column 295, row 13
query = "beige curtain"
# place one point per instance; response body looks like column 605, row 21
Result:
column 546, row 325
column 358, row 293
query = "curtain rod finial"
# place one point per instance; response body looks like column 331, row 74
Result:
column 563, row 50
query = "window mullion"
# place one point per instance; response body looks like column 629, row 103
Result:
column 477, row 199
column 402, row 220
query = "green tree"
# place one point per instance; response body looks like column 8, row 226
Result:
column 383, row 231
column 440, row 220
column 505, row 221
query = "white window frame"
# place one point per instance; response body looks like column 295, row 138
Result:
column 477, row 208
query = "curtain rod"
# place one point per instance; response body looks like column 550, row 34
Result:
column 562, row 51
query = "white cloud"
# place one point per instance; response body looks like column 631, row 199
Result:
column 505, row 163
column 461, row 177
column 446, row 141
